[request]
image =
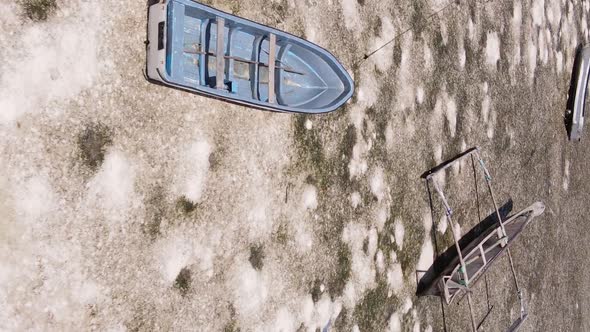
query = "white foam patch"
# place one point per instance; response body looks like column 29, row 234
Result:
column 492, row 124
column 427, row 222
column 309, row 198
column 471, row 30
column 34, row 199
column 377, row 184
column 312, row 33
column 543, row 48
column 357, row 116
column 485, row 104
column 516, row 32
column 351, row 15
column 538, row 12
column 191, row 177
column 368, row 89
column 381, row 218
column 569, row 34
column 117, row 327
column 407, row 305
column 325, row 309
column 451, row 115
column 389, row 135
column 54, row 61
column 395, row 277
column 457, row 230
column 384, row 58
column 373, row 241
column 355, row 199
column 419, row 95
column 461, row 55
column 441, row 177
column 250, row 289
column 516, row 19
column 456, row 168
column 427, row 252
column 178, row 251
column 395, row 323
column 284, row 321
column 303, row 237
column 438, row 154
column 317, row 316
column 492, row 49
column 532, row 59
column 442, row 224
column 306, row 309
column 175, row 254
column 379, row 261
column 427, row 54
column 566, row 175
column 358, row 164
column 399, row 232
column 410, row 127
column 553, row 13
column 42, row 278
column 406, row 91
column 113, row 185
column 258, row 221
column 444, row 32
column 44, row 284
column 559, row 62
column 445, row 106
column 363, row 270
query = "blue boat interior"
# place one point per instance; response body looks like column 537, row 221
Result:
column 301, row 77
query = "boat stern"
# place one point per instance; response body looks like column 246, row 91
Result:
column 156, row 40
column 574, row 116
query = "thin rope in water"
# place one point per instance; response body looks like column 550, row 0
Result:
column 457, row 2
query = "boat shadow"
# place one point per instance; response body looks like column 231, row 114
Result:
column 571, row 96
column 427, row 285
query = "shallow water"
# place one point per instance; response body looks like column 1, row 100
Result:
column 129, row 206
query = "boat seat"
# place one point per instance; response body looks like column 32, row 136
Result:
column 254, row 74
column 272, row 49
column 205, row 26
column 231, row 61
column 220, row 55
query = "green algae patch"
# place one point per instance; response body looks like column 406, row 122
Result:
column 38, row 10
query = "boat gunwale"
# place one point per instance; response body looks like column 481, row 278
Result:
column 345, row 78
column 498, row 255
column 433, row 287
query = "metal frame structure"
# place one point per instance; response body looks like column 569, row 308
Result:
column 477, row 257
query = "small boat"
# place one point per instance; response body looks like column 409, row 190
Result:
column 455, row 273
column 576, row 103
column 199, row 49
